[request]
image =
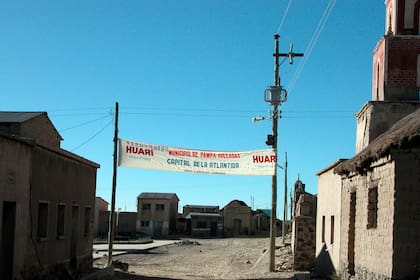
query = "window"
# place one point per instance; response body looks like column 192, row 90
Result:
column 372, row 205
column 61, row 210
column 332, row 230
column 323, row 229
column 146, row 206
column 160, row 207
column 87, row 221
column 145, row 223
column 42, row 220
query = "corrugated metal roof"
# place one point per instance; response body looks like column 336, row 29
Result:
column 190, row 215
column 267, row 212
column 158, row 195
column 202, row 206
column 18, row 117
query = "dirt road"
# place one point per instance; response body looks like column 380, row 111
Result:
column 230, row 258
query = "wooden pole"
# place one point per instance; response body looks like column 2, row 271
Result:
column 273, row 221
column 285, row 201
column 111, row 231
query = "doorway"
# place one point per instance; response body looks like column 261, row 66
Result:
column 213, row 228
column 157, row 228
column 237, row 226
column 7, row 240
column 352, row 233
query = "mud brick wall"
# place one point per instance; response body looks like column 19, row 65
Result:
column 372, row 248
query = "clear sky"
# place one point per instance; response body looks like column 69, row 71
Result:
column 191, row 74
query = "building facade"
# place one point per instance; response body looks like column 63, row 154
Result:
column 237, row 219
column 157, row 213
column 202, row 220
column 100, row 227
column 328, row 220
column 47, row 200
column 379, row 225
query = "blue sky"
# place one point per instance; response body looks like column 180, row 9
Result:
column 191, row 74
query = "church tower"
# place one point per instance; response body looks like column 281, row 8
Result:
column 396, row 73
column 396, row 56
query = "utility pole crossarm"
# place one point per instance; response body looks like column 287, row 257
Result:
column 290, row 54
column 276, row 95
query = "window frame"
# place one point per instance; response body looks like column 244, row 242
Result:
column 42, row 224
column 86, row 224
column 372, row 205
column 160, row 207
column 61, row 220
column 146, row 206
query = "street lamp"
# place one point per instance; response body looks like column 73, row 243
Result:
column 276, row 95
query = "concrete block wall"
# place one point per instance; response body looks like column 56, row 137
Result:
column 373, row 247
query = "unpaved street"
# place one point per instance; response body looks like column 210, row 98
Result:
column 229, row 258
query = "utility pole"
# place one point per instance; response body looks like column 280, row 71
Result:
column 285, row 201
column 275, row 103
column 111, row 230
column 276, row 95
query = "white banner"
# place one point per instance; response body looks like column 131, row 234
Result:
column 150, row 156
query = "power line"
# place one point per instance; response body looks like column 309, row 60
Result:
column 93, row 136
column 84, row 123
column 284, row 17
column 189, row 109
column 312, row 43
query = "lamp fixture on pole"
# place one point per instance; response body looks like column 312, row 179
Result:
column 276, row 95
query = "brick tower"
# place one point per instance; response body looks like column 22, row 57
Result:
column 396, row 73
column 396, row 56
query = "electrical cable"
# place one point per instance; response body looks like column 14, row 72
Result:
column 284, row 16
column 93, row 136
column 84, row 123
column 312, row 43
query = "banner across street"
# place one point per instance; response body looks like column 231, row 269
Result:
column 166, row 158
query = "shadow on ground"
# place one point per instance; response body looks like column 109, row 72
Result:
column 128, row 276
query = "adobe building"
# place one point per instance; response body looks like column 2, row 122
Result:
column 328, row 220
column 380, row 230
column 100, row 222
column 380, row 203
column 237, row 219
column 157, row 213
column 125, row 222
column 47, row 200
column 203, row 220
